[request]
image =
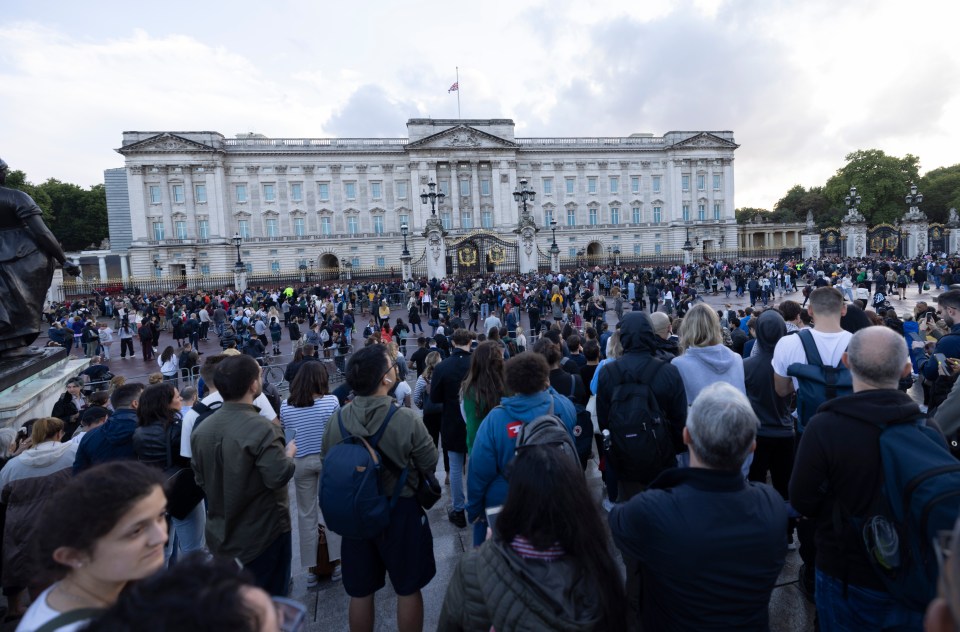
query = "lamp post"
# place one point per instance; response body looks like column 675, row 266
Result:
column 406, row 270
column 687, row 248
column 616, row 255
column 310, row 278
column 914, row 199
column 553, row 229
column 404, row 229
column 303, row 273
column 899, row 251
column 433, row 197
column 853, row 200
column 238, row 241
column 156, row 265
column 523, row 193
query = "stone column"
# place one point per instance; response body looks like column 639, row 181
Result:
column 124, row 269
column 953, row 236
column 554, row 259
column 436, row 249
column 475, row 191
column 407, row 269
column 527, row 245
column 454, row 196
column 811, row 245
column 55, row 291
column 240, row 279
column 102, row 260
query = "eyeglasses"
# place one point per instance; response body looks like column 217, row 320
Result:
column 290, row 614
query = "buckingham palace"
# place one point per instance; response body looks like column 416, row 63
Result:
column 199, row 203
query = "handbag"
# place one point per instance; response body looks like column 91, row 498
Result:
column 428, row 490
column 181, row 487
column 324, row 566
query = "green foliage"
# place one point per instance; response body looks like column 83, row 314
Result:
column 76, row 216
column 941, row 192
column 746, row 214
column 882, row 181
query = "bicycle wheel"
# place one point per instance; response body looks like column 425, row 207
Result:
column 273, row 375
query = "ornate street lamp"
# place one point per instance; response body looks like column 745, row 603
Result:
column 238, row 241
column 303, row 273
column 687, row 245
column 524, row 193
column 553, row 229
column 852, row 200
column 404, row 229
column 914, row 199
column 156, row 265
column 433, row 197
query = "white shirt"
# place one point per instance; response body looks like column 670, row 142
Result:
column 403, row 389
column 190, row 417
column 790, row 350
column 40, row 613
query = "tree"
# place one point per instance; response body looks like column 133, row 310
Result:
column 80, row 215
column 941, row 192
column 746, row 214
column 881, row 180
column 791, row 201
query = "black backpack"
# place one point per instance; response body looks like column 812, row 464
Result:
column 204, row 411
column 640, row 443
column 546, row 429
column 583, row 429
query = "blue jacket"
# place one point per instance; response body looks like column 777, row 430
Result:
column 113, row 441
column 949, row 346
column 494, row 446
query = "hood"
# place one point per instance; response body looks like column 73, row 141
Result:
column 881, row 405
column 717, row 358
column 46, row 454
column 120, row 427
column 670, row 345
column 911, row 327
column 364, row 410
column 636, row 333
column 528, row 406
column 770, row 329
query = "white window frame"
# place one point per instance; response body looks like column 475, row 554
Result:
column 200, row 193
column 240, row 193
column 614, row 185
column 269, row 192
column 326, row 225
column 547, row 186
column 350, row 190
column 180, row 228
column 657, row 184
column 179, row 196
column 243, row 227
column 296, row 192
column 323, row 191
column 155, row 195
column 376, row 190
column 299, row 226
column 635, row 212
column 635, row 184
column 158, row 233
column 353, row 225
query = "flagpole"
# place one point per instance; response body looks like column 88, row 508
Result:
column 458, row 92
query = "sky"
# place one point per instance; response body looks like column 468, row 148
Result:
column 800, row 83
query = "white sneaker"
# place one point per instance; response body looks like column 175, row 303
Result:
column 337, row 574
column 312, row 580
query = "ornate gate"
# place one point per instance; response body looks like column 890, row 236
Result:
column 883, row 240
column 482, row 252
column 418, row 268
column 936, row 238
column 830, row 242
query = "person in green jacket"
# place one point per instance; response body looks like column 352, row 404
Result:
column 483, row 387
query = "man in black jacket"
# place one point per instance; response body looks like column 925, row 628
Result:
column 838, row 461
column 710, row 545
column 445, row 389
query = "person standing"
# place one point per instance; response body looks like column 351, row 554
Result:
column 240, row 461
column 445, row 390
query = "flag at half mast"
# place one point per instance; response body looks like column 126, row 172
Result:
column 455, row 87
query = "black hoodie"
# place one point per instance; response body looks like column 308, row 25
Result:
column 640, row 344
column 839, row 458
column 772, row 410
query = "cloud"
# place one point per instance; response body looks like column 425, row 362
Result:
column 370, row 113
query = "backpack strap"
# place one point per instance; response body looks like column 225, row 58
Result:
column 66, row 618
column 810, row 348
column 573, row 387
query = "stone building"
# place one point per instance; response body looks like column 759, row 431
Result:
column 331, row 203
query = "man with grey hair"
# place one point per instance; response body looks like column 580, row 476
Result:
column 838, row 466
column 732, row 533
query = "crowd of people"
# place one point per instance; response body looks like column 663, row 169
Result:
column 725, row 437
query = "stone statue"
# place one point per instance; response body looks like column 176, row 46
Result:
column 810, row 225
column 28, row 254
column 953, row 220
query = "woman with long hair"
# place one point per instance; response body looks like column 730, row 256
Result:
column 548, row 557
column 483, row 387
column 106, row 527
column 305, row 415
column 169, row 364
column 156, row 442
column 432, row 411
column 403, row 393
column 704, row 358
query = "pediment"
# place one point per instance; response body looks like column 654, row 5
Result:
column 166, row 143
column 704, row 140
column 462, row 137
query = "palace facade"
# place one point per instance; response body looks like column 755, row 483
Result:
column 308, row 203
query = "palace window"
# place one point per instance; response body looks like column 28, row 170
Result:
column 685, row 183
column 298, row 227
column 571, row 185
column 466, row 220
column 717, row 180
column 701, row 212
column 464, row 188
column 241, row 193
column 591, row 185
column 269, row 193
column 636, row 214
column 376, row 190
column 243, row 227
column 178, row 194
column 614, row 215
column 401, row 187
column 154, row 194
column 326, row 226
column 593, row 217
column 296, row 192
column 614, row 185
column 686, row 212
column 378, row 224
column 350, row 190
column 446, row 220
column 571, row 217
column 181, row 227
column 701, row 182
column 158, row 231
column 323, row 191
column 487, row 218
column 353, row 225
column 272, row 228
column 200, row 193
column 548, row 186
column 635, row 184
column 716, row 210
column 203, row 229
column 656, row 184
column 657, row 214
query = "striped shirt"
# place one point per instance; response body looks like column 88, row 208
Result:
column 525, row 549
column 310, row 423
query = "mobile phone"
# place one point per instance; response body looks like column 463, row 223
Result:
column 289, row 434
column 492, row 513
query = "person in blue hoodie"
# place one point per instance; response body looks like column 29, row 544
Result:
column 528, row 381
column 113, row 440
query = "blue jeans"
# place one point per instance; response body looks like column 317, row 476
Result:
column 190, row 531
column 456, row 479
column 861, row 609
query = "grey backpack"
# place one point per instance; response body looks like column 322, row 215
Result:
column 547, row 429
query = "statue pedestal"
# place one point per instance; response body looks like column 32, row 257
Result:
column 811, row 245
column 240, row 280
column 554, row 259
column 30, row 385
column 407, row 272
column 687, row 256
column 436, row 249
